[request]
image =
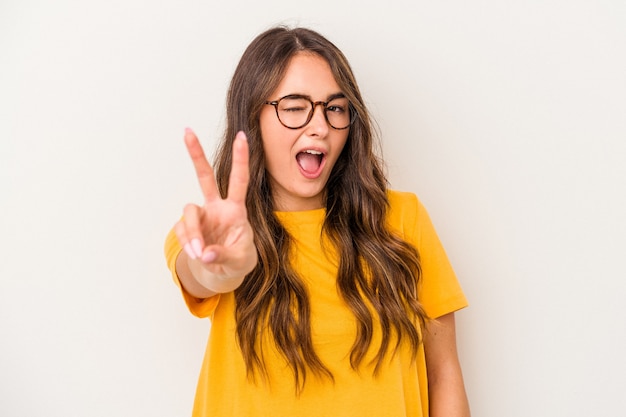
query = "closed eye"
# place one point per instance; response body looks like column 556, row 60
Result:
column 295, row 109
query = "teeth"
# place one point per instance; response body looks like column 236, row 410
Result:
column 312, row 152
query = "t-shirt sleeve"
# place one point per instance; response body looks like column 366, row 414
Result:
column 439, row 290
column 198, row 307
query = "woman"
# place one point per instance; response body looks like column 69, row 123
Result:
column 322, row 285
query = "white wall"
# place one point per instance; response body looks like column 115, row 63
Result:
column 507, row 118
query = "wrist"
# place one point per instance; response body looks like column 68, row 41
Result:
column 210, row 282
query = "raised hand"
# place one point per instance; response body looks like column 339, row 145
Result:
column 217, row 236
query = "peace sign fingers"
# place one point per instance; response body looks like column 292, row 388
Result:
column 217, row 237
column 240, row 170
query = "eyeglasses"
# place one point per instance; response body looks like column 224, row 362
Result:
column 295, row 111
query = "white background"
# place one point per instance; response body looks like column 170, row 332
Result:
column 507, row 118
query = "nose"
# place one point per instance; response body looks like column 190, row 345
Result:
column 318, row 123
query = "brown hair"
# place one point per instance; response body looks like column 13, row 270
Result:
column 376, row 267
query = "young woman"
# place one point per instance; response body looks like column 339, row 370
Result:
column 329, row 294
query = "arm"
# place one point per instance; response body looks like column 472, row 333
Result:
column 217, row 238
column 446, row 389
column 198, row 281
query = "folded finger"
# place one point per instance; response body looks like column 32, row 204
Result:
column 181, row 235
column 193, row 229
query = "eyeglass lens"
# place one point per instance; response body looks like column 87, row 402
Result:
column 295, row 112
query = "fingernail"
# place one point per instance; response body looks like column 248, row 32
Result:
column 188, row 130
column 209, row 257
column 197, row 247
column 189, row 251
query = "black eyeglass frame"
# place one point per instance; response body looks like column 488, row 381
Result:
column 314, row 104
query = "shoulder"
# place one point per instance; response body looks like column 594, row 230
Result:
column 405, row 210
column 401, row 199
column 409, row 217
column 403, row 204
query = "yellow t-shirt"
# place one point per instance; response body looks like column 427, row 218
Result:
column 400, row 389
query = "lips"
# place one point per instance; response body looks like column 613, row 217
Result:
column 311, row 162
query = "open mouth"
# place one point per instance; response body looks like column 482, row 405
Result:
column 310, row 162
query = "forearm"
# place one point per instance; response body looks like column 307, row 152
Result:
column 198, row 281
column 446, row 388
column 447, row 393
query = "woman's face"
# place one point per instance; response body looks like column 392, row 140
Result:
column 299, row 161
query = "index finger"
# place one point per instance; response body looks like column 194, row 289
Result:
column 240, row 170
column 204, row 172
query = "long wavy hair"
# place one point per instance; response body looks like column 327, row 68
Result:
column 376, row 267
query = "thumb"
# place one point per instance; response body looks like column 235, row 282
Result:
column 210, row 255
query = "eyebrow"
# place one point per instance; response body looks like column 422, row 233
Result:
column 329, row 98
